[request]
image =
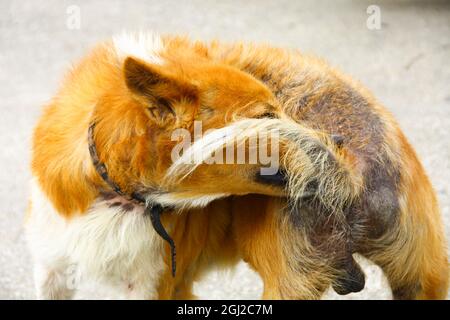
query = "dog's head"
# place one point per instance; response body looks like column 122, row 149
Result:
column 190, row 130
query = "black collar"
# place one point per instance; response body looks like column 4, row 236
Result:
column 152, row 209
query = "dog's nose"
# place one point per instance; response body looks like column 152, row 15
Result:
column 279, row 179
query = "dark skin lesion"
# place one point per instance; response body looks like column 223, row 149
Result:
column 115, row 204
column 115, row 201
column 126, row 207
column 332, row 240
column 352, row 124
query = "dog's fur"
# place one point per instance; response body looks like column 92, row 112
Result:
column 367, row 193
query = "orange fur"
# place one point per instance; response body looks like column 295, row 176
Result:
column 136, row 104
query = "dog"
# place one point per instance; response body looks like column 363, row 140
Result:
column 110, row 201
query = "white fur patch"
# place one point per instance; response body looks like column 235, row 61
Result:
column 181, row 202
column 145, row 46
column 119, row 248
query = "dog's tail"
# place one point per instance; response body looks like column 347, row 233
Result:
column 318, row 168
column 322, row 184
column 312, row 161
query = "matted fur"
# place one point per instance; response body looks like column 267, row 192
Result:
column 369, row 195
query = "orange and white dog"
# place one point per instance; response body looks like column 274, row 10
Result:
column 347, row 179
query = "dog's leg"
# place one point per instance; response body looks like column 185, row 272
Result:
column 54, row 277
column 412, row 277
column 415, row 264
column 204, row 241
column 52, row 281
column 413, row 252
column 288, row 272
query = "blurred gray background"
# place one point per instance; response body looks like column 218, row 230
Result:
column 406, row 64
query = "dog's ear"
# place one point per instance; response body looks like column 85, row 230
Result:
column 160, row 89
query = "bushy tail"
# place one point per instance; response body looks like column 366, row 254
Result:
column 312, row 160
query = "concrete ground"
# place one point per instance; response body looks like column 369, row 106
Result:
column 406, row 64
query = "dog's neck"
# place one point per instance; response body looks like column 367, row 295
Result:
column 153, row 209
column 100, row 167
